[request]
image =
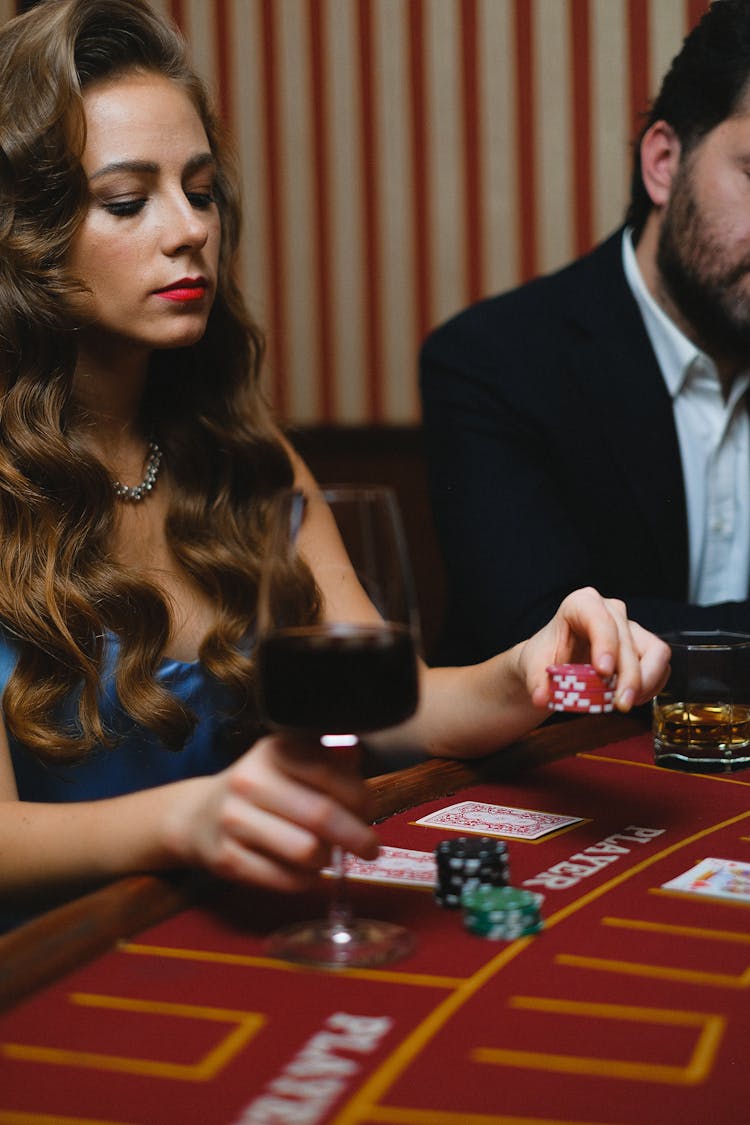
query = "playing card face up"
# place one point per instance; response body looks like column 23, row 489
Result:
column 716, row 878
column 496, row 820
column 403, row 866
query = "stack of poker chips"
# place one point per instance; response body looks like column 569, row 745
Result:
column 580, row 689
column 501, row 913
column 469, row 861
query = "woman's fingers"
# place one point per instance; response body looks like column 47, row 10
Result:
column 273, row 817
column 591, row 629
column 654, row 656
column 322, row 815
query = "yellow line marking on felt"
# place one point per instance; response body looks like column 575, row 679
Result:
column 248, row 1024
column 411, row 1116
column 739, row 936
column 649, row 861
column 363, row 1104
column 664, row 972
column 704, row 899
column 652, row 972
column 725, row 779
column 19, row 1117
column 696, row 1070
column 425, row 980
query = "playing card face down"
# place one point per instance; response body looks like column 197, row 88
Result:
column 404, row 866
column 496, row 820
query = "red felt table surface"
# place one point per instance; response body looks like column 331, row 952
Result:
column 630, row 1008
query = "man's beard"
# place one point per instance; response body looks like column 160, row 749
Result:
column 704, row 286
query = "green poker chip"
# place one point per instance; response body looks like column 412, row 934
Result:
column 501, row 913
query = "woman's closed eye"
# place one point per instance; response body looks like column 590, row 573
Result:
column 123, row 207
column 201, row 200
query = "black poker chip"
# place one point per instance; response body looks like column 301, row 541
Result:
column 469, row 861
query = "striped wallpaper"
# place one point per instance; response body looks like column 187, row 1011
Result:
column 404, row 157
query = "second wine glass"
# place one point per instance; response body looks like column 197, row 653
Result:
column 347, row 673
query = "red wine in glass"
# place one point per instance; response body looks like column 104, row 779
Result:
column 339, row 679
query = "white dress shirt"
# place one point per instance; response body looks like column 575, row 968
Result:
column 714, row 439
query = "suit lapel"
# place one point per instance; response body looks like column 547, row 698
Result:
column 611, row 354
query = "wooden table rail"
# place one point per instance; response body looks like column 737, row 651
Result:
column 67, row 936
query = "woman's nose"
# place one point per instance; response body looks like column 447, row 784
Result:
column 186, row 228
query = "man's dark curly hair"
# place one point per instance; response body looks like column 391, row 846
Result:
column 705, row 85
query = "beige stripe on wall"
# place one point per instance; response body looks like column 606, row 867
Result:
column 553, row 132
column 497, row 144
column 348, row 310
column 668, row 28
column 249, row 131
column 444, row 169
column 394, row 184
column 382, row 155
column 610, row 119
column 199, row 28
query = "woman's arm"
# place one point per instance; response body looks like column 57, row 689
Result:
column 273, row 816
column 270, row 819
column 465, row 712
column 469, row 711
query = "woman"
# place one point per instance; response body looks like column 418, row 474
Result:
column 137, row 464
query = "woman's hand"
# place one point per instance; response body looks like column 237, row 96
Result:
column 588, row 628
column 273, row 816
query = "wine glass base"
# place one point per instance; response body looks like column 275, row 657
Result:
column 364, row 942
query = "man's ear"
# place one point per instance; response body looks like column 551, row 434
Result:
column 660, row 159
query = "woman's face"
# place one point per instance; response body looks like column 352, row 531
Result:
column 148, row 248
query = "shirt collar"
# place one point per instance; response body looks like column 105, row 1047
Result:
column 675, row 353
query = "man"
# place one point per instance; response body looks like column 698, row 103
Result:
column 591, row 427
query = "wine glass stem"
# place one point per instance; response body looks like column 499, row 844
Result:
column 339, row 910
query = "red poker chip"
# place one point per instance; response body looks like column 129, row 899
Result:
column 580, row 696
column 581, row 704
column 579, row 677
column 580, row 689
column 583, row 686
column 578, row 671
column 589, row 690
column 600, row 696
column 584, row 707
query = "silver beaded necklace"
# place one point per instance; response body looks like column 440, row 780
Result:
column 140, row 491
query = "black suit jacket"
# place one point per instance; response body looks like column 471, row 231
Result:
column 554, row 461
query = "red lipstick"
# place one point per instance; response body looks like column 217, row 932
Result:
column 186, row 289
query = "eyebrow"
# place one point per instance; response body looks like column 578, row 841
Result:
column 194, row 164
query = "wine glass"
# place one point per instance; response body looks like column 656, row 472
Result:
column 339, row 679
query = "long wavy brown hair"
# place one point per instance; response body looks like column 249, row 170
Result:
column 61, row 592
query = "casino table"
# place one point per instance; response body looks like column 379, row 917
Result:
column 154, row 1000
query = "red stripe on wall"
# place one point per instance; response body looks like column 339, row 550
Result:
column 420, row 142
column 474, row 240
column 694, row 9
column 177, row 12
column 526, row 134
column 373, row 325
column 321, row 204
column 638, row 63
column 276, row 323
column 580, row 42
column 224, row 81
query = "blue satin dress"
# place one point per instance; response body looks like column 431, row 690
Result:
column 138, row 760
